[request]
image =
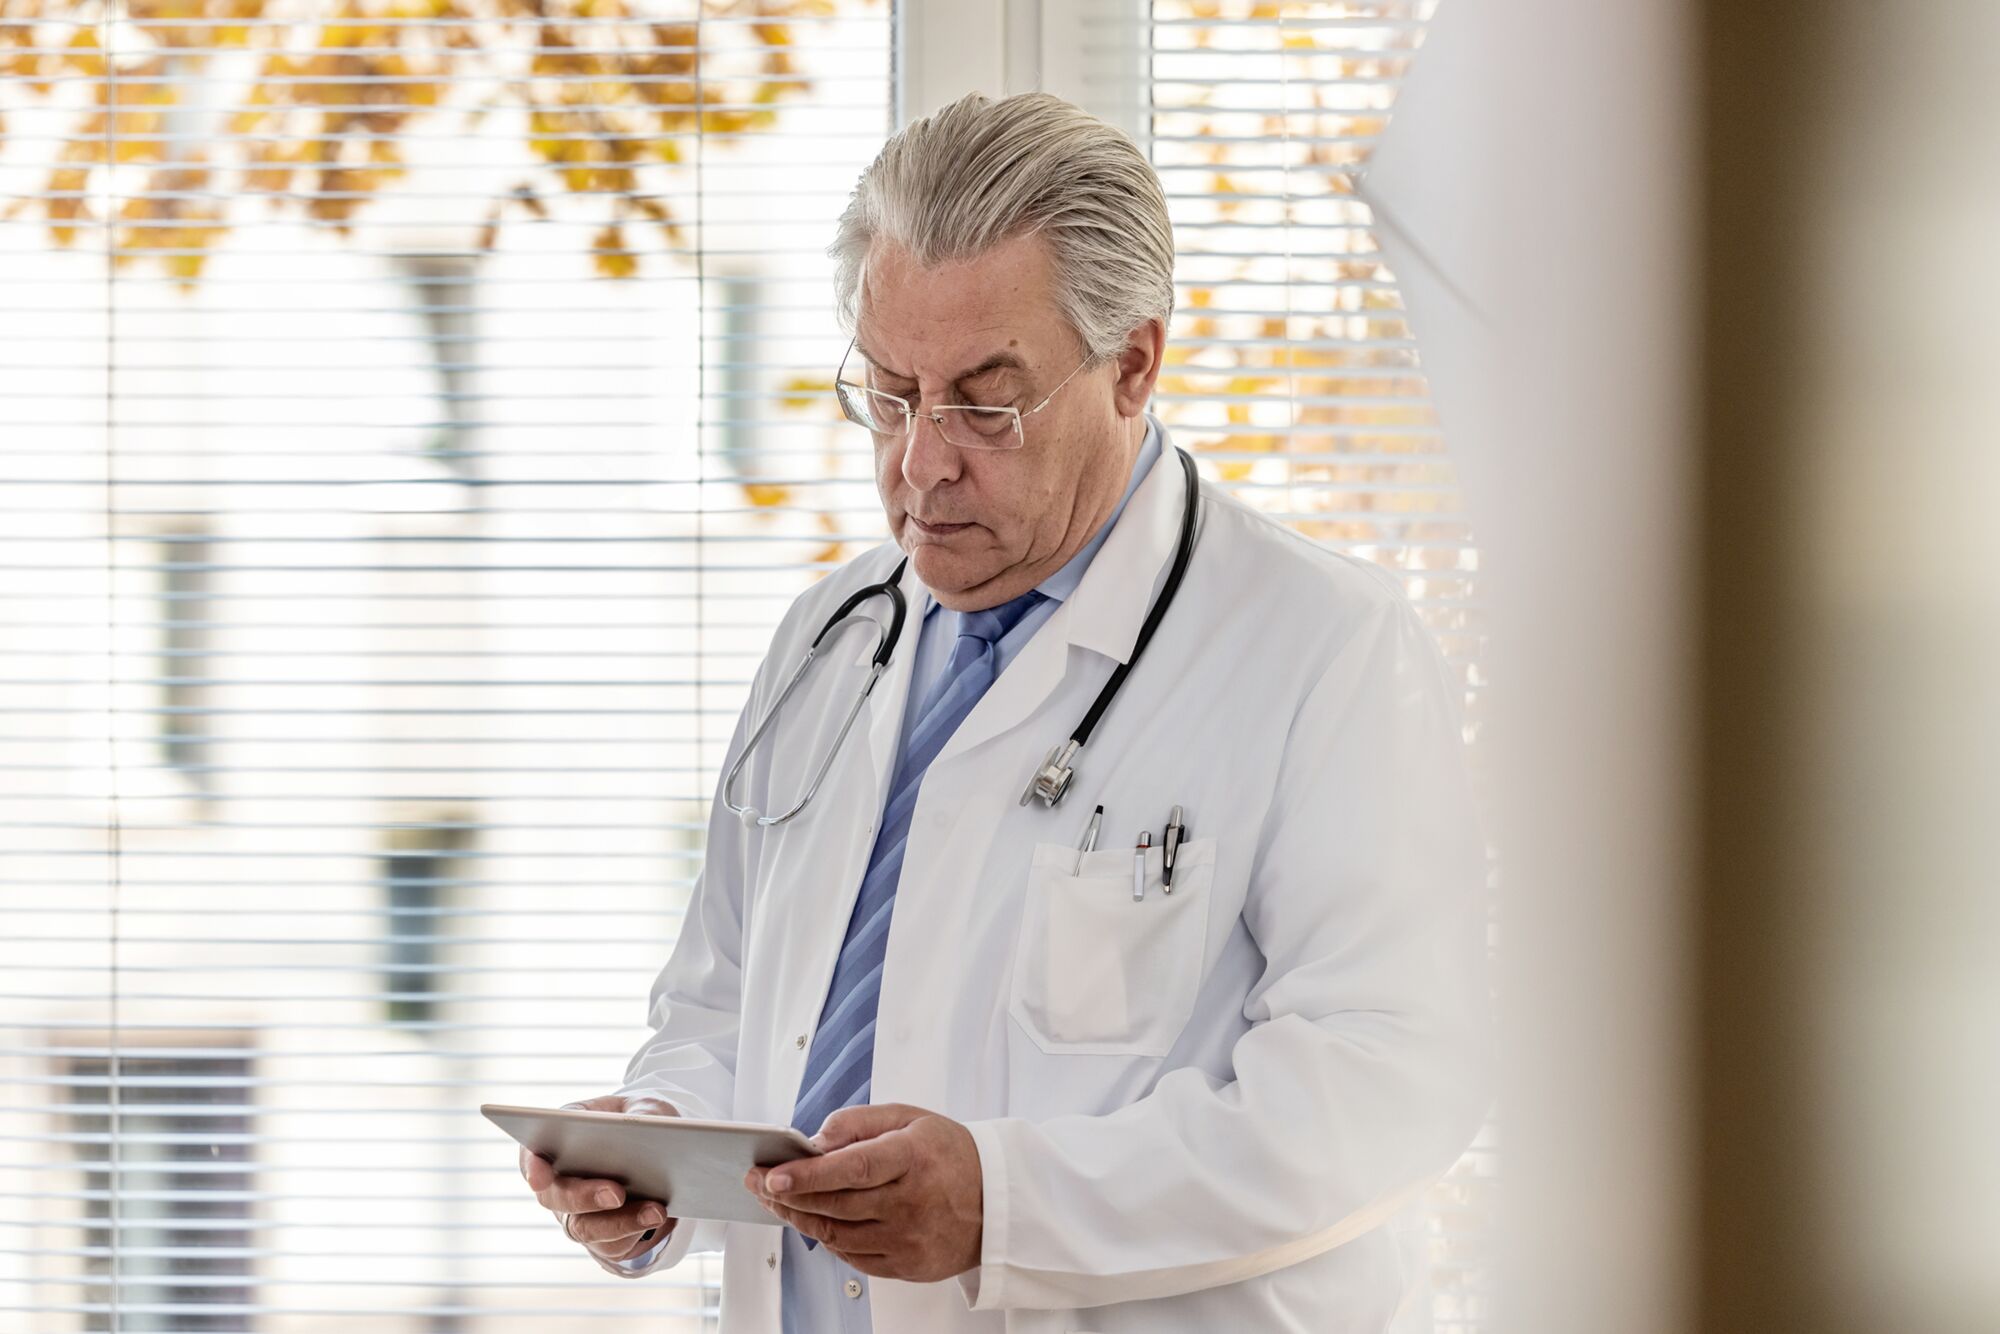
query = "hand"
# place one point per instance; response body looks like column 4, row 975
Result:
column 898, row 1193
column 607, row 1224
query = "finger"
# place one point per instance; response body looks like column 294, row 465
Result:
column 604, row 1102
column 849, row 1125
column 865, row 1238
column 852, row 1205
column 580, row 1195
column 638, row 1245
column 611, row 1225
column 862, row 1166
column 540, row 1174
column 884, row 1264
column 650, row 1107
column 641, row 1104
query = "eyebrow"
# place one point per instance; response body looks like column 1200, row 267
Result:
column 998, row 361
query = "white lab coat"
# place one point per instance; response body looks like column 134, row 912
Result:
column 1192, row 1112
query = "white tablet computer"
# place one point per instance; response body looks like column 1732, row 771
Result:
column 695, row 1168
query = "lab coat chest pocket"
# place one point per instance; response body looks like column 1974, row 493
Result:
column 1096, row 971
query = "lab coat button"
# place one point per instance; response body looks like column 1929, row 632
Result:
column 771, row 1260
column 854, row 1287
column 800, row 1042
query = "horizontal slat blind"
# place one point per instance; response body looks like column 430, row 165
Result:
column 415, row 426
column 416, row 420
column 1293, row 372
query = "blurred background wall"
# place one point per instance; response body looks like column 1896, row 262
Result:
column 1753, row 1015
column 1850, row 749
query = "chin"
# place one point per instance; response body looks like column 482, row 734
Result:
column 943, row 570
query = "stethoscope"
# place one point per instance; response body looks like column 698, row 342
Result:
column 1052, row 779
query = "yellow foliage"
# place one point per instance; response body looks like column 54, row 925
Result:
column 804, row 392
column 612, row 258
column 83, row 56
column 606, row 98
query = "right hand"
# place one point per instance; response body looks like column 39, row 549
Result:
column 600, row 1216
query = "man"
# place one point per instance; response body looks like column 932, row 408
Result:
column 1058, row 1092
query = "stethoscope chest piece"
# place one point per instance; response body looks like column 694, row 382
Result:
column 1051, row 781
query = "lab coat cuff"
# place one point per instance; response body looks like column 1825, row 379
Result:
column 985, row 1284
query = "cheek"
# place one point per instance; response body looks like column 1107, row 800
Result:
column 889, row 475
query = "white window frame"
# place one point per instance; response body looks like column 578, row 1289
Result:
column 948, row 48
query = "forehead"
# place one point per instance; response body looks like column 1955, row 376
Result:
column 935, row 320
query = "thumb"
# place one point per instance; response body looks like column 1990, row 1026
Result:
column 850, row 1125
column 604, row 1102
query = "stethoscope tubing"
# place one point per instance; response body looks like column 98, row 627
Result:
column 890, row 634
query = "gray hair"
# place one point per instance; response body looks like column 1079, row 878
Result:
column 960, row 181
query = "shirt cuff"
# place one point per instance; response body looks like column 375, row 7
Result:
column 644, row 1259
column 984, row 1285
column 664, row 1253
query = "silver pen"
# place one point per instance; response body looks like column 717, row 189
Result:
column 1139, row 865
column 1089, row 838
column 1171, row 842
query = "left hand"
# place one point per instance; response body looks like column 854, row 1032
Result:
column 897, row 1194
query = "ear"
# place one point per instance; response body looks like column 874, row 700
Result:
column 1139, row 367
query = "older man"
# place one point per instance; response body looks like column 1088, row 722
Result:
column 1060, row 1091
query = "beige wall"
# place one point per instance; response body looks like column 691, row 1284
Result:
column 1850, row 996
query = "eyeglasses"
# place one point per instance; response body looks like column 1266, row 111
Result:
column 967, row 425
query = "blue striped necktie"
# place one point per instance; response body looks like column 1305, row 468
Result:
column 839, row 1069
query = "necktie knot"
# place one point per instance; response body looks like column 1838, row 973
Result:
column 992, row 623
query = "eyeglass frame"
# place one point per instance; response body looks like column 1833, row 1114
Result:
column 935, row 415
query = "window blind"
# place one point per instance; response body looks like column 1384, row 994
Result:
column 417, row 420
column 1292, row 372
column 415, row 425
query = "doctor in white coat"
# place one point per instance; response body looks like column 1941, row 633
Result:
column 1057, row 1107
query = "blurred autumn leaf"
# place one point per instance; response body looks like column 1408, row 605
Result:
column 305, row 105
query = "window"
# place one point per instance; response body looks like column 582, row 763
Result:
column 416, row 872
column 418, row 419
column 413, row 433
column 165, row 1177
column 183, row 560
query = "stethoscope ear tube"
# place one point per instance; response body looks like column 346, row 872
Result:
column 1051, row 781
column 885, row 645
column 1182, row 553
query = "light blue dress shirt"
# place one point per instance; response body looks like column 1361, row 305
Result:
column 822, row 1294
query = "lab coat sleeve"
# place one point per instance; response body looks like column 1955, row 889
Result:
column 690, row 1059
column 1365, row 1072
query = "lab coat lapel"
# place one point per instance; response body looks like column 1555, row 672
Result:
column 1103, row 615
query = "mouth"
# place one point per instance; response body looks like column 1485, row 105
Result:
column 938, row 529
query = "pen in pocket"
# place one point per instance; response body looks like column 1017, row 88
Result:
column 1089, row 838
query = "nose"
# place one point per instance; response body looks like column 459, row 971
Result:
column 929, row 460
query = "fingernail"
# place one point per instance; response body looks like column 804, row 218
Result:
column 607, row 1199
column 779, row 1182
column 652, row 1216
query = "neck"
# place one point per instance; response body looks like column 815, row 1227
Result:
column 1097, row 495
